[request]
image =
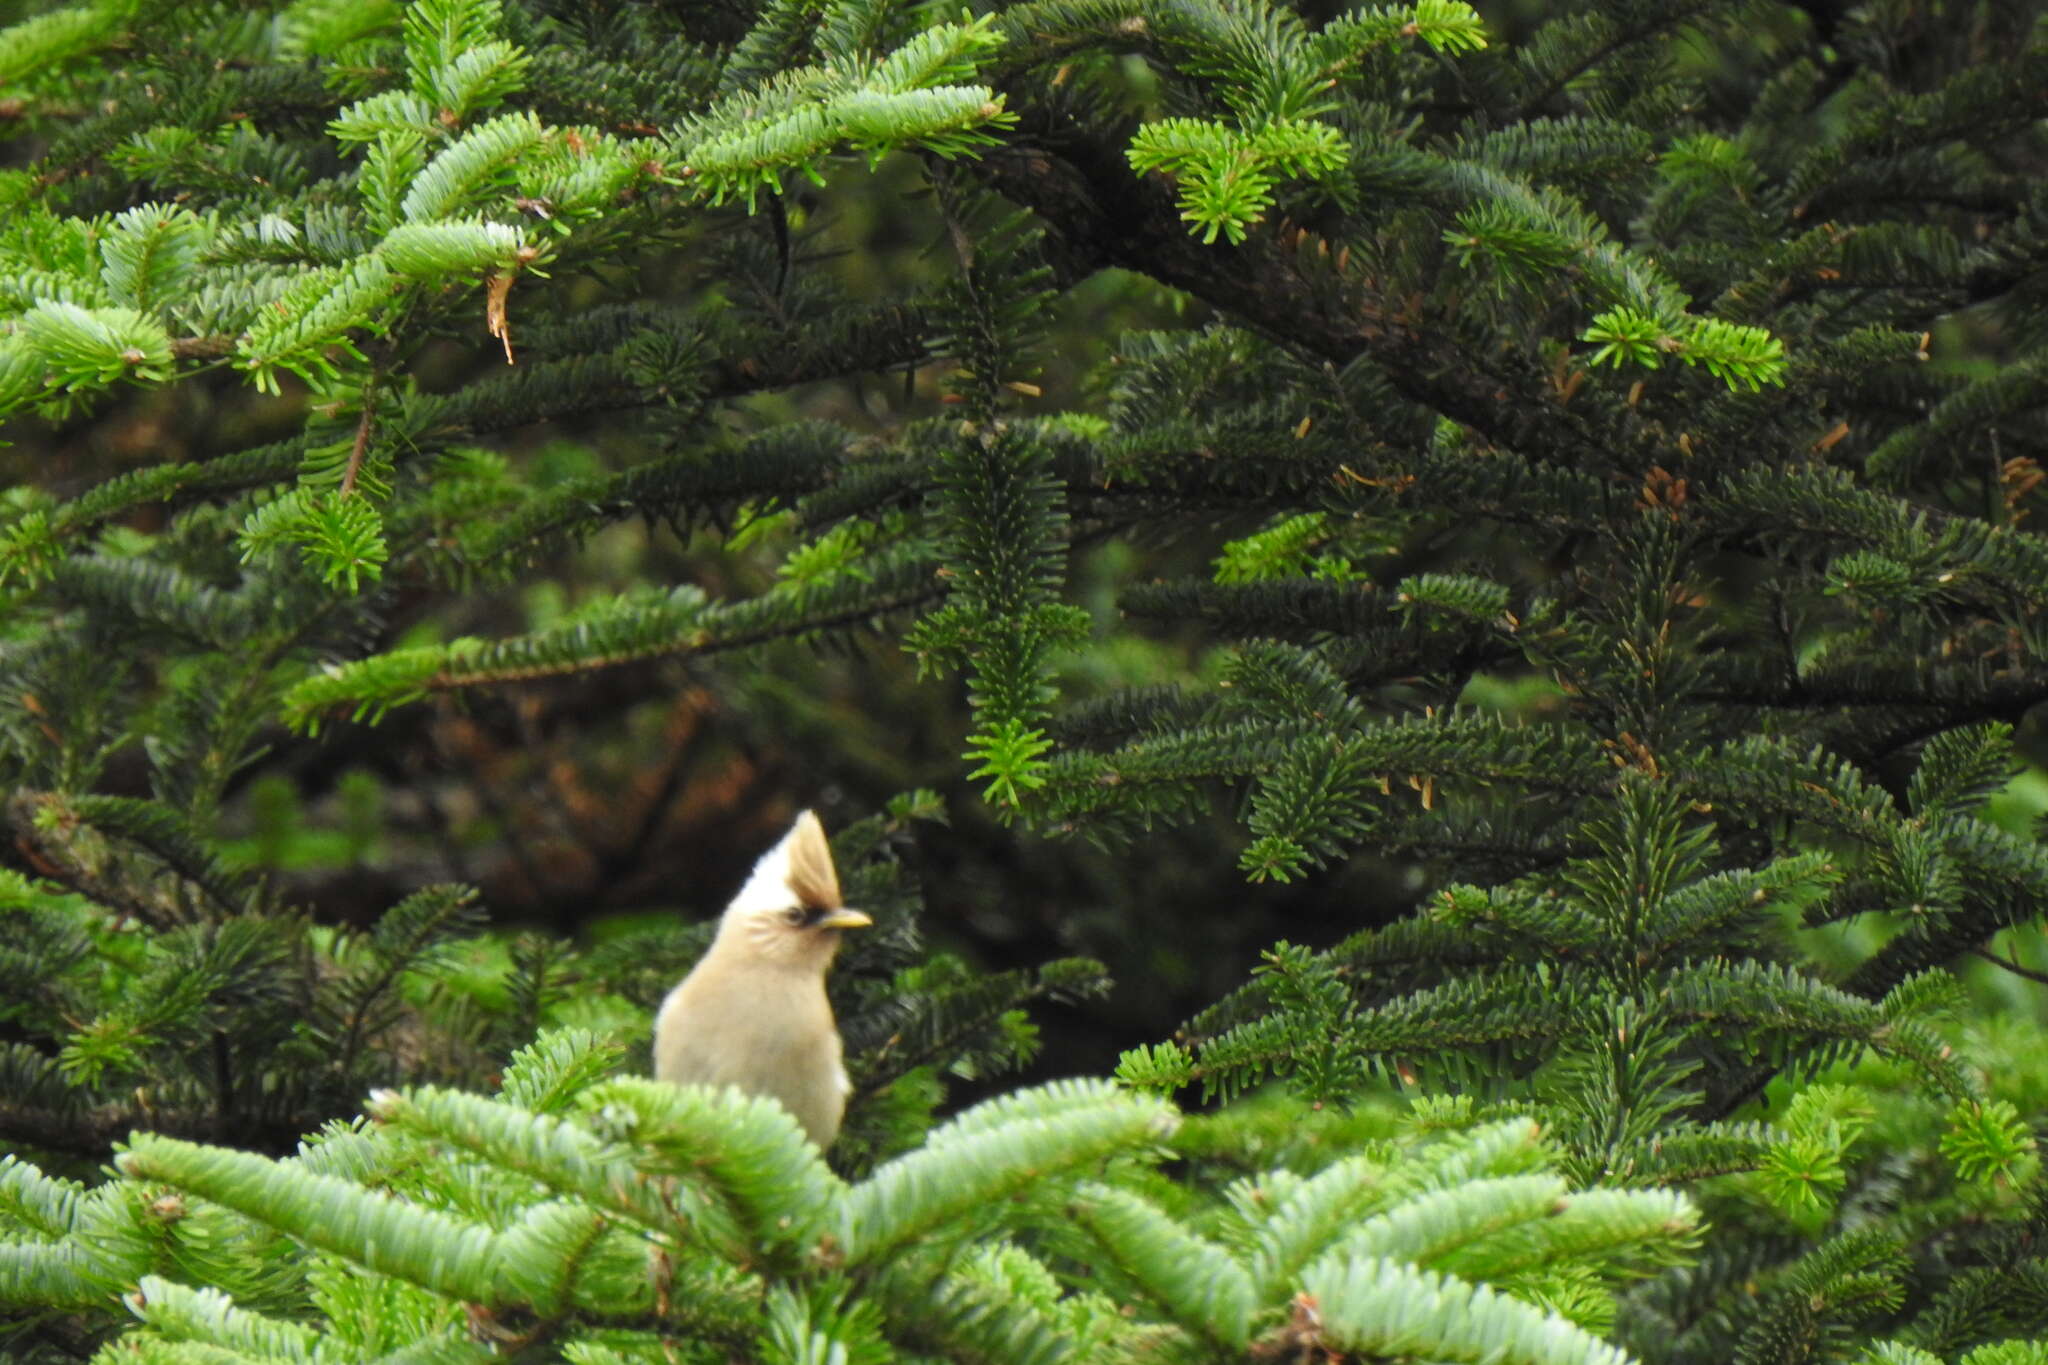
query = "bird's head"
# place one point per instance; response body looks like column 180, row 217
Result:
column 789, row 913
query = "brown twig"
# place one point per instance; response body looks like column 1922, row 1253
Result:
column 202, row 348
column 362, row 445
column 2015, row 968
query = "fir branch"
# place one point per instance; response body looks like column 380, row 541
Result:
column 986, row 1154
column 630, row 630
column 1265, row 284
column 2009, row 965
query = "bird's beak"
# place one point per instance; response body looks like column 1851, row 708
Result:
column 843, row 918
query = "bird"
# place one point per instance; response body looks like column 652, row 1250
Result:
column 752, row 1013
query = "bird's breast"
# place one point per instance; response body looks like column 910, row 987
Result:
column 761, row 1031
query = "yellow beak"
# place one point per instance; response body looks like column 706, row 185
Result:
column 844, row 918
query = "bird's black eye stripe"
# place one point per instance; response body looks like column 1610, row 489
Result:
column 803, row 916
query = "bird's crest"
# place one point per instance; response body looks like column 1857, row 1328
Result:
column 811, row 875
column 796, row 872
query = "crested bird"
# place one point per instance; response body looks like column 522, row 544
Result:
column 752, row 1013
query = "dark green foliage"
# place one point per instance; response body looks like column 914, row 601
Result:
column 1568, row 470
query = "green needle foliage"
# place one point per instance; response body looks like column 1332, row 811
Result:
column 1573, row 462
column 625, row 1220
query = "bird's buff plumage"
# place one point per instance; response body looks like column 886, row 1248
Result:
column 753, row 1012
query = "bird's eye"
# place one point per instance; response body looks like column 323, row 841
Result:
column 794, row 916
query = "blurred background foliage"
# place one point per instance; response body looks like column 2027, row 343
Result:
column 1665, row 582
column 604, row 805
column 601, row 805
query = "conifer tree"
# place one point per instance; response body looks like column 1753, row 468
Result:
column 1608, row 427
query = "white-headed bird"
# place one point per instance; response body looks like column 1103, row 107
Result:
column 752, row 1013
